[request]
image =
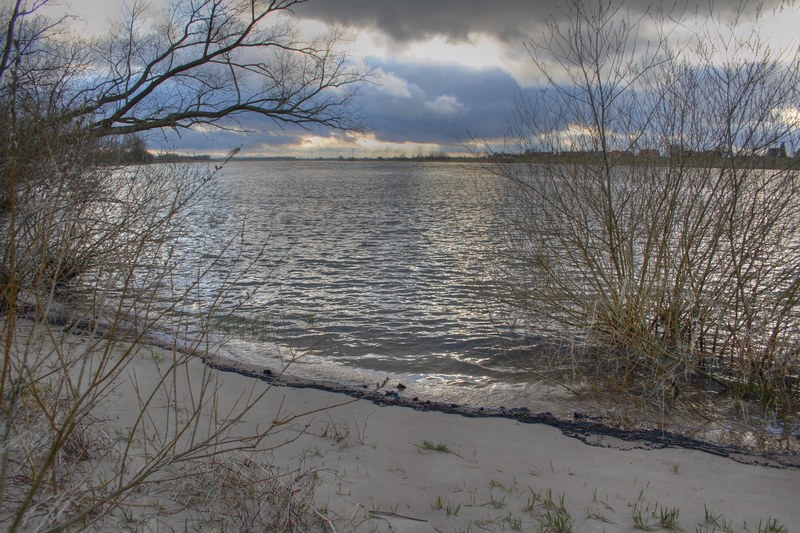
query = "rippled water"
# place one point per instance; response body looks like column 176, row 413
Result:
column 369, row 270
column 364, row 271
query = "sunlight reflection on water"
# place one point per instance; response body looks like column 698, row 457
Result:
column 368, row 268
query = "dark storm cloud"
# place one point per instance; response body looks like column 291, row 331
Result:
column 418, row 19
column 507, row 20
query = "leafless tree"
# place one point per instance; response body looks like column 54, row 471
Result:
column 88, row 270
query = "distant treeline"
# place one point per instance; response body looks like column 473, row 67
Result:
column 774, row 158
column 132, row 150
column 170, row 157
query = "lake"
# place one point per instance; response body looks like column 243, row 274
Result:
column 351, row 272
column 365, row 270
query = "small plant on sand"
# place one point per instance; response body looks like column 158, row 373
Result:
column 771, row 525
column 641, row 518
column 441, row 505
column 438, row 504
column 496, row 484
column 533, row 500
column 556, row 518
column 497, row 503
column 435, row 447
column 513, row 522
column 717, row 521
column 659, row 517
column 452, row 510
column 668, row 518
column 338, row 432
column 593, row 512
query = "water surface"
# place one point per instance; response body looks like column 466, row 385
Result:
column 367, row 270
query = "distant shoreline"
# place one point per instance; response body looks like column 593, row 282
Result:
column 690, row 160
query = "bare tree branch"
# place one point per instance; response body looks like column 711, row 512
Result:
column 215, row 60
column 204, row 62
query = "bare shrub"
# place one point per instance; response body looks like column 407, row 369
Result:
column 654, row 222
column 244, row 495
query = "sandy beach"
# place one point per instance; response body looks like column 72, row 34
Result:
column 390, row 468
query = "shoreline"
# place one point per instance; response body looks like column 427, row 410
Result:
column 589, row 429
column 359, row 460
column 389, row 464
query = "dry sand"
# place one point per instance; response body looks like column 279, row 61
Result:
column 377, row 464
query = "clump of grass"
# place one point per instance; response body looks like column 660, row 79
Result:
column 452, row 510
column 659, row 517
column 593, row 511
column 496, row 484
column 717, row 521
column 497, row 504
column 435, row 447
column 556, row 518
column 440, row 505
column 513, row 522
column 771, row 526
column 668, row 518
column 640, row 519
column 533, row 499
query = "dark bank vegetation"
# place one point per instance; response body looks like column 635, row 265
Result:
column 87, row 248
column 663, row 245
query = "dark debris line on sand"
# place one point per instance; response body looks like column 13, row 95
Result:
column 591, row 430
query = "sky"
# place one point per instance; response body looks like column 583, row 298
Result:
column 447, row 71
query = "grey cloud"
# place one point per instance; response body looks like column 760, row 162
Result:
column 507, row 20
column 261, row 133
column 440, row 104
column 446, row 104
